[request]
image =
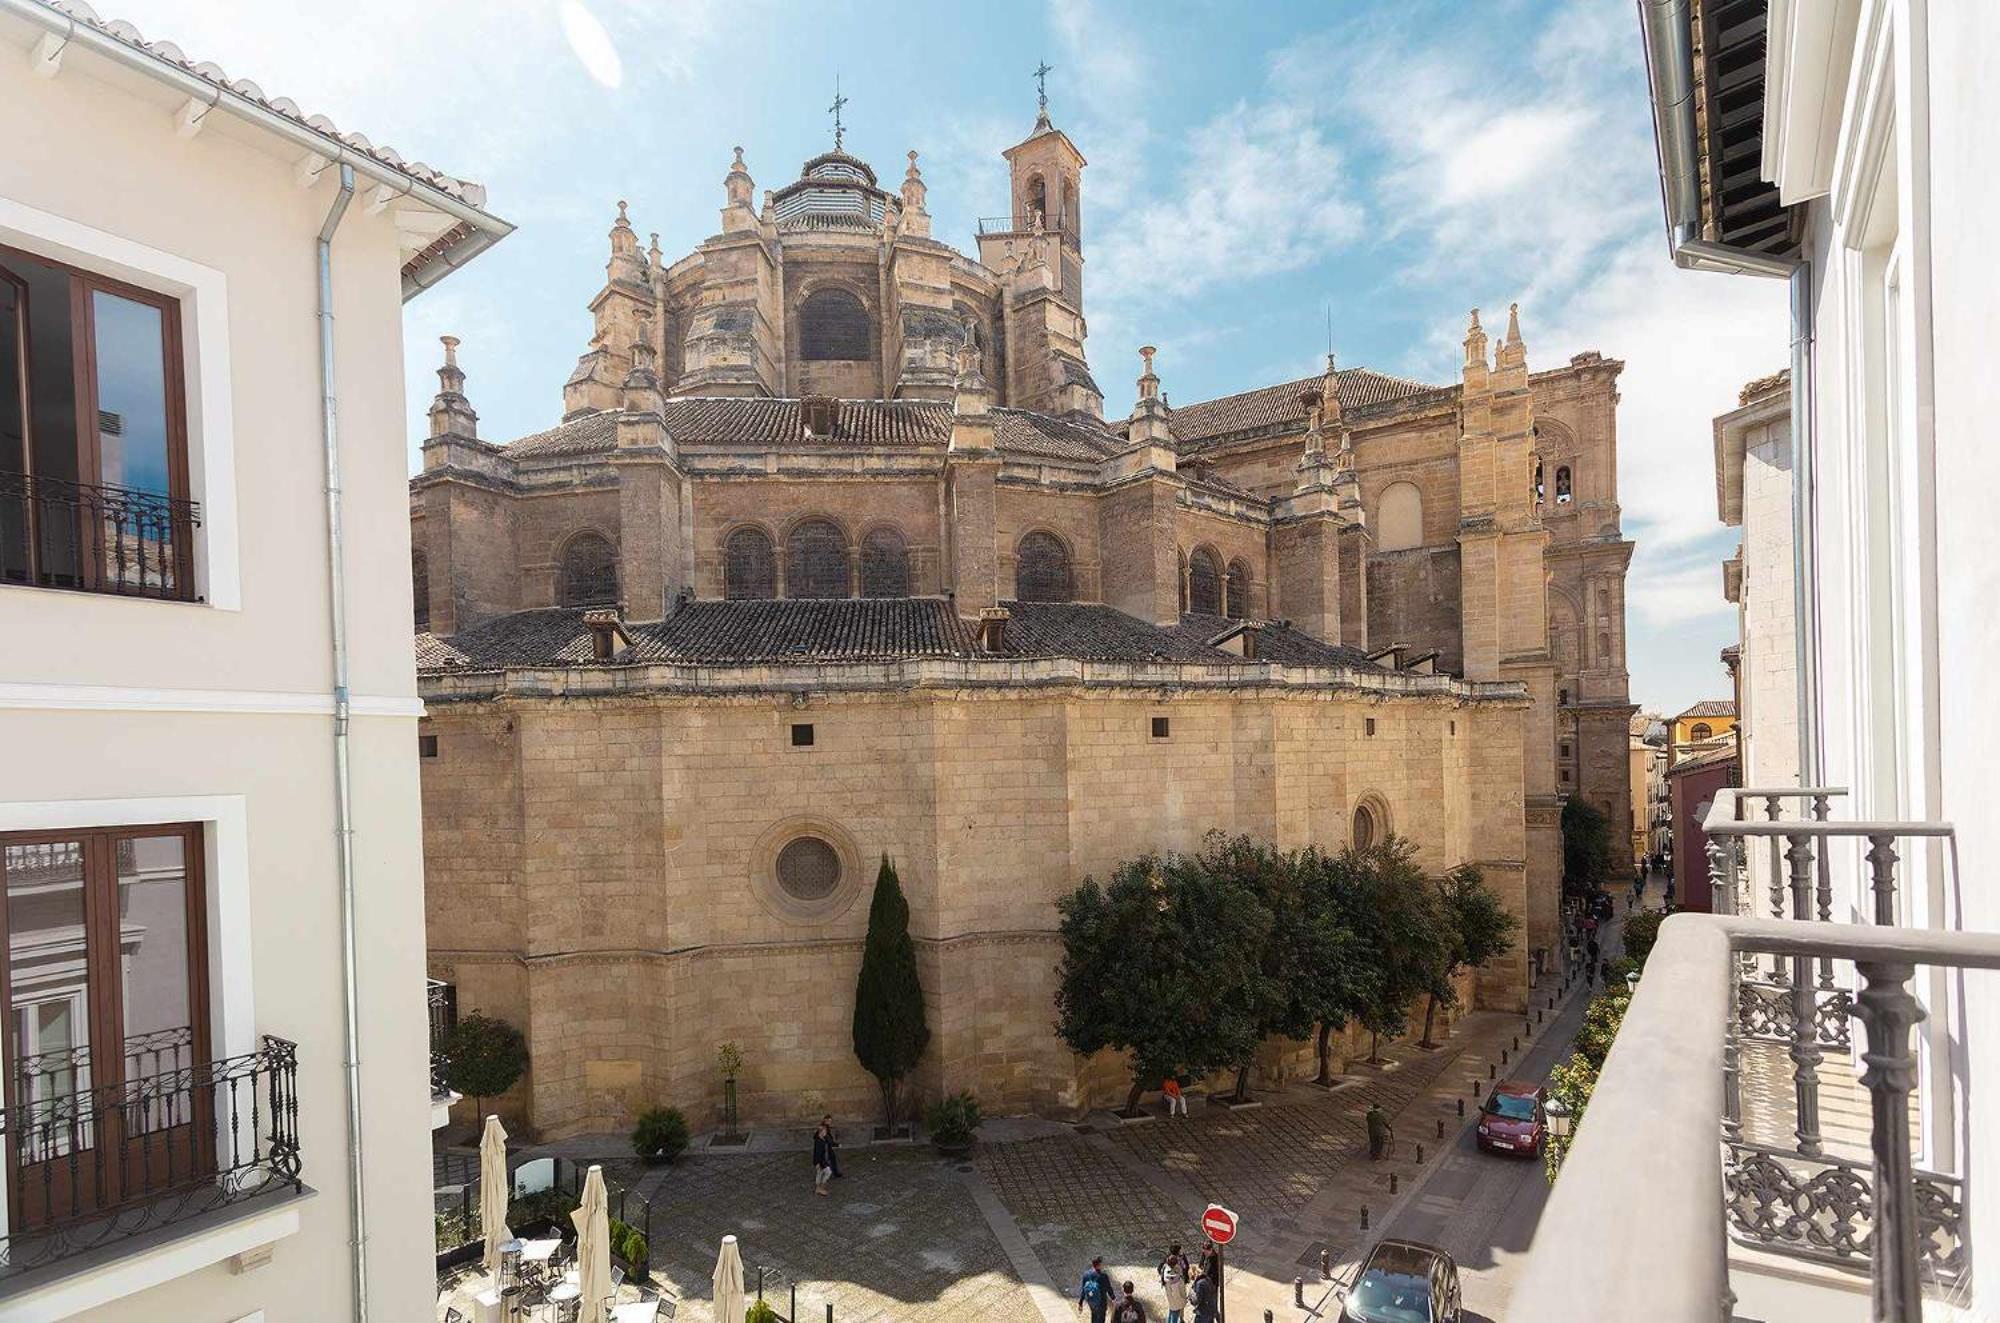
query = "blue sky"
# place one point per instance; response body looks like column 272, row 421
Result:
column 1250, row 167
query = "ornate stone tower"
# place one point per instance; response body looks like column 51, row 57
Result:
column 1037, row 250
column 1503, row 588
column 621, row 308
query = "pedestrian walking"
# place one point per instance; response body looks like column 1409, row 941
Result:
column 822, row 1157
column 1095, row 1291
column 1129, row 1308
column 1380, row 1134
column 1203, row 1295
column 832, row 1144
column 1170, row 1088
column 1211, row 1264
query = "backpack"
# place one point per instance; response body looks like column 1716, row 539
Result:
column 1093, row 1287
column 1129, row 1312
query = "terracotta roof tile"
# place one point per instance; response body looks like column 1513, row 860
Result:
column 1269, row 406
column 1090, row 631
column 838, row 630
column 1710, row 707
column 1026, row 433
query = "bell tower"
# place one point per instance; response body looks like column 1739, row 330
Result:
column 1037, row 249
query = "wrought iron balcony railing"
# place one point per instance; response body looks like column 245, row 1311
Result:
column 443, row 1004
column 1664, row 1096
column 1026, row 224
column 98, row 539
column 92, row 1165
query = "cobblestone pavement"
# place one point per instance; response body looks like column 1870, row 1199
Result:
column 1073, row 1200
column 899, row 1238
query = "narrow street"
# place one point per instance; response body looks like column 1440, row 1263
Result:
column 1483, row 1208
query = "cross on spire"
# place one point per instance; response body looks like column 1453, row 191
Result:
column 1042, row 71
column 839, row 130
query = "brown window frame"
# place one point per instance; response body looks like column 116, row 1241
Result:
column 105, row 977
column 83, row 376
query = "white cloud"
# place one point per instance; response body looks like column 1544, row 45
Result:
column 591, row 44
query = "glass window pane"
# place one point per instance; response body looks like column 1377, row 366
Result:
column 49, row 978
column 154, row 954
column 131, row 393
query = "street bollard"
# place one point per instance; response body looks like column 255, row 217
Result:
column 1325, row 1264
column 1267, row 1316
column 1538, row 1015
column 1461, row 1112
column 1475, row 1088
column 1490, row 1070
column 1364, row 1217
column 1392, row 1182
column 1420, row 1155
column 1503, row 1054
column 1517, row 1042
column 1298, row 1293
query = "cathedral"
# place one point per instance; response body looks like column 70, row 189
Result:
column 833, row 556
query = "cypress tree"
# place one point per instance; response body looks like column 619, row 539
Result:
column 889, row 1030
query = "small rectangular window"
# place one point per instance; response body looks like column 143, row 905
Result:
column 1162, row 728
column 427, row 746
column 1454, row 727
column 1565, row 750
column 802, row 735
column 1368, row 726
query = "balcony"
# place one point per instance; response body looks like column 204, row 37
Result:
column 1028, row 224
column 96, row 539
column 94, row 1173
column 1781, row 1182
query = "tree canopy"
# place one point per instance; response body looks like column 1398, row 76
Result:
column 1586, row 837
column 484, row 1057
column 1477, row 929
column 890, row 1032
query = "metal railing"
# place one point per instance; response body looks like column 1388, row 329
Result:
column 441, row 999
column 1026, row 224
column 457, row 1212
column 91, row 1165
column 98, row 539
column 1677, row 1043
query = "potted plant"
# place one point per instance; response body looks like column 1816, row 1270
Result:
column 661, row 1135
column 951, row 1121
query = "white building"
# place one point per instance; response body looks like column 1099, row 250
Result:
column 1844, row 146
column 208, row 781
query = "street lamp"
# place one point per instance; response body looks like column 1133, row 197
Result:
column 1560, row 1120
column 1632, row 981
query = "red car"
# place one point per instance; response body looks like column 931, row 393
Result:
column 1511, row 1119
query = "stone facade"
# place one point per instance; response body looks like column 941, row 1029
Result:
column 823, row 403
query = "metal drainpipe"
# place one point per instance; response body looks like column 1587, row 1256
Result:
column 343, row 791
column 1805, row 534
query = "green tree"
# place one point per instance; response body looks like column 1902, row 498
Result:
column 1334, row 976
column 1574, row 1079
column 1586, row 837
column 1401, row 931
column 1477, row 929
column 1164, row 962
column 889, row 1029
column 1642, row 930
column 484, row 1057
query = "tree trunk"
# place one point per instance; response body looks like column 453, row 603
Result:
column 1242, row 1093
column 1325, row 1075
column 1132, row 1097
column 1430, row 1018
column 889, row 1106
column 1374, row 1047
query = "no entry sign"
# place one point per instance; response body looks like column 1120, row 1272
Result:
column 1219, row 1223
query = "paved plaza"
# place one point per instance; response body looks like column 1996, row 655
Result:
column 1004, row 1234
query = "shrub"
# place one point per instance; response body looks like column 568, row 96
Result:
column 760, row 1311
column 1642, row 930
column 951, row 1120
column 484, row 1057
column 661, row 1134
column 551, row 1205
column 890, row 1032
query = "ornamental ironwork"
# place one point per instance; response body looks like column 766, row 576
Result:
column 96, row 538
column 1764, row 1014
column 1824, row 1208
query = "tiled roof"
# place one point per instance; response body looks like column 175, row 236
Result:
column 1276, row 642
column 725, row 420
column 1710, row 707
column 1028, row 433
column 591, row 434
column 1723, row 753
column 829, row 220
column 209, row 72
column 548, row 636
column 1090, row 631
column 433, row 653
column 1272, row 405
column 845, row 629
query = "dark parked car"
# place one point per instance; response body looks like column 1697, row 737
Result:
column 1511, row 1119
column 1403, row 1281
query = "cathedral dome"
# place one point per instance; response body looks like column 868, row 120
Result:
column 832, row 187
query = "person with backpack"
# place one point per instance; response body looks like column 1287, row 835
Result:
column 1095, row 1292
column 1203, row 1294
column 1129, row 1308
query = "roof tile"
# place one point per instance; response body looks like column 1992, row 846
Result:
column 1269, row 406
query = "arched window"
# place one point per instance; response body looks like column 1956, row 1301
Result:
column 589, row 572
column 1038, row 201
column 749, row 566
column 885, row 564
column 1204, row 583
column 1700, row 731
column 1236, row 594
column 816, row 561
column 1366, row 830
column 834, row 325
column 1180, row 577
column 420, row 589
column 1540, row 491
column 1562, row 485
column 1399, row 517
column 1041, row 569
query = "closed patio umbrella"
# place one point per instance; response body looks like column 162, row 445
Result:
column 493, row 1191
column 728, row 1283
column 593, row 1248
